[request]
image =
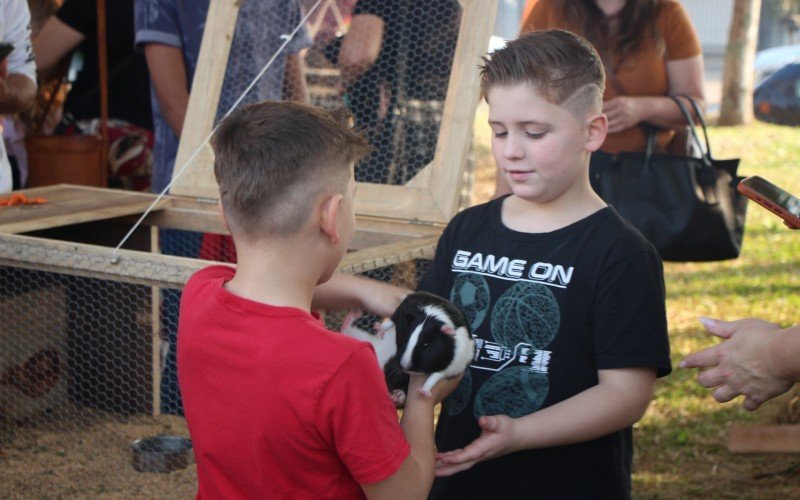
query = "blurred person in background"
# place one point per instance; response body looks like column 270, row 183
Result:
column 69, row 40
column 170, row 32
column 17, row 75
column 650, row 50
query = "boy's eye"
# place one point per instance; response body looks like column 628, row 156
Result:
column 500, row 133
column 534, row 135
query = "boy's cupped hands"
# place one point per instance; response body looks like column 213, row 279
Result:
column 498, row 437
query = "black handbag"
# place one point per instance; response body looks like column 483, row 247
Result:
column 688, row 207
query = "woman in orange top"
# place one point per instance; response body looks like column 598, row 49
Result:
column 650, row 51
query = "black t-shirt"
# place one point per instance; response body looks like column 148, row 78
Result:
column 548, row 311
column 129, row 84
column 418, row 44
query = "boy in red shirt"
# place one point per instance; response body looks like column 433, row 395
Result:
column 277, row 405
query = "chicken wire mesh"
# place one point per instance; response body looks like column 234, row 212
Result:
column 87, row 364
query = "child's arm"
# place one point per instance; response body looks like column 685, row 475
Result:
column 414, row 478
column 346, row 291
column 619, row 400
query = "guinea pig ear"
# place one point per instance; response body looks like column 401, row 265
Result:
column 448, row 330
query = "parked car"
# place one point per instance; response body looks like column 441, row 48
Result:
column 768, row 61
column 777, row 99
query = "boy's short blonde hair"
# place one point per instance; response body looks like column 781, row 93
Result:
column 273, row 159
column 563, row 66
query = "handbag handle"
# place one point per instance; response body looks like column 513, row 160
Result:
column 690, row 121
column 700, row 117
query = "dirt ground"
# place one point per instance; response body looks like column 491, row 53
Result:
column 83, row 453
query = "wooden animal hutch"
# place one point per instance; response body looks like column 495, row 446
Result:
column 72, row 237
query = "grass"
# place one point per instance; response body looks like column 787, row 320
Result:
column 681, row 443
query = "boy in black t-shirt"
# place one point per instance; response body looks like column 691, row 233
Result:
column 565, row 298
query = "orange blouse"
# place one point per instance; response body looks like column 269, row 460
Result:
column 641, row 74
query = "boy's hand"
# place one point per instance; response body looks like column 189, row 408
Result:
column 498, row 438
column 439, row 391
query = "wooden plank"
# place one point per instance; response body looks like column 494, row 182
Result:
column 93, row 261
column 463, row 92
column 69, row 204
column 155, row 333
column 389, row 254
column 765, row 439
column 203, row 101
column 150, row 269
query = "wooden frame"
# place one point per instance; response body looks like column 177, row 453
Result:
column 432, row 196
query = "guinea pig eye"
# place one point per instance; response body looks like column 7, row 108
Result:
column 425, row 345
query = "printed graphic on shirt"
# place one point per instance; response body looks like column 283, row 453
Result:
column 525, row 319
column 516, row 391
column 470, row 294
column 526, row 313
column 554, row 275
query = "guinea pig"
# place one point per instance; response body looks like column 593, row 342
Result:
column 383, row 341
column 425, row 334
column 432, row 337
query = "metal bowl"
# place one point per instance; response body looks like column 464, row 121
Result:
column 162, row 453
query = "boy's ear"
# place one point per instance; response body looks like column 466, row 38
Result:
column 329, row 217
column 596, row 131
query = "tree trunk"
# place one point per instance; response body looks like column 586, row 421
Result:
column 737, row 77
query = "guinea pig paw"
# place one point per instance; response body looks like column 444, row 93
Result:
column 424, row 392
column 350, row 318
column 398, row 397
column 381, row 327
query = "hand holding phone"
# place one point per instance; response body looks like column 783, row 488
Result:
column 776, row 200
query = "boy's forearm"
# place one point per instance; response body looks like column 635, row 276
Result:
column 417, row 425
column 613, row 404
column 346, row 291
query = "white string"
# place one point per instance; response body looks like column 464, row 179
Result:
column 286, row 39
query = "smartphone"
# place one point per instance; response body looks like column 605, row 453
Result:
column 5, row 49
column 776, row 200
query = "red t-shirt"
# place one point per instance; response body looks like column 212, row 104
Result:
column 277, row 405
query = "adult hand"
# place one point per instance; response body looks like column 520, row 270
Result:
column 498, row 437
column 741, row 364
column 622, row 112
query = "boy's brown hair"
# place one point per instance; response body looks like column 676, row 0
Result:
column 563, row 66
column 273, row 159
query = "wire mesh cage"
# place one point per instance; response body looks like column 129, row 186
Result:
column 88, row 334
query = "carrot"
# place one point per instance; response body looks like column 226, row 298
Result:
column 17, row 199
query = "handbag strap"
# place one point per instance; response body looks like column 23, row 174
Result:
column 690, row 121
column 700, row 118
column 102, row 61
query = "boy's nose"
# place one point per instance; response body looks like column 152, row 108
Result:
column 512, row 149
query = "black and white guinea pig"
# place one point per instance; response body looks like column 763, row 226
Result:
column 426, row 334
column 432, row 337
column 383, row 341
